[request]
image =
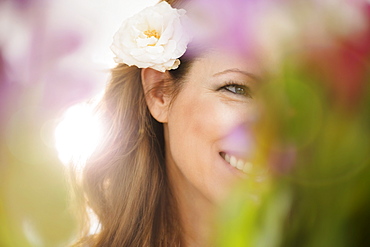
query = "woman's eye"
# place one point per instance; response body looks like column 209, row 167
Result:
column 237, row 89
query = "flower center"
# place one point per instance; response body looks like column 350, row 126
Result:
column 152, row 33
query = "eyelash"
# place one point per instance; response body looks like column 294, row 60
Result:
column 246, row 90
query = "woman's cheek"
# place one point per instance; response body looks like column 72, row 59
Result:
column 227, row 116
column 208, row 115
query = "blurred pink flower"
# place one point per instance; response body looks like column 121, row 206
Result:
column 344, row 67
column 228, row 25
column 282, row 160
column 40, row 57
column 240, row 142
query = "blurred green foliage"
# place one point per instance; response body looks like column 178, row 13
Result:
column 315, row 139
column 33, row 190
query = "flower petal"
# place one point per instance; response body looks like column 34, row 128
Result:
column 132, row 44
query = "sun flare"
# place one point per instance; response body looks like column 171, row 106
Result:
column 78, row 134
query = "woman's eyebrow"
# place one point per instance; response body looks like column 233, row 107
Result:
column 251, row 75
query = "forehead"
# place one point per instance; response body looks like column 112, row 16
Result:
column 214, row 62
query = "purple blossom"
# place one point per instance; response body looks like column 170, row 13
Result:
column 240, row 141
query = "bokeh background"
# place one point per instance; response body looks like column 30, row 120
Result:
column 53, row 55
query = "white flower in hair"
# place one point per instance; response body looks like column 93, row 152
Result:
column 153, row 38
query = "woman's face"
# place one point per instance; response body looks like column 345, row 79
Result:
column 202, row 141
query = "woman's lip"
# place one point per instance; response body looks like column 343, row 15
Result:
column 238, row 153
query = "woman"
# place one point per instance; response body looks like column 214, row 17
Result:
column 168, row 156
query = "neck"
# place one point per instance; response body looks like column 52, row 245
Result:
column 196, row 211
column 196, row 214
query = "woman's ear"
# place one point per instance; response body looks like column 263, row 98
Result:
column 155, row 94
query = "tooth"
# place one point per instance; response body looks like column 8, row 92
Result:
column 233, row 161
column 240, row 164
column 247, row 167
column 227, row 158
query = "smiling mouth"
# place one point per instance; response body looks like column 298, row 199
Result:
column 240, row 164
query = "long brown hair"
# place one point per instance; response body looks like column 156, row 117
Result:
column 125, row 180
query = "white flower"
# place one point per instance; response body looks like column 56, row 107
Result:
column 153, row 38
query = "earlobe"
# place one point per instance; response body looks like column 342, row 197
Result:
column 155, row 95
